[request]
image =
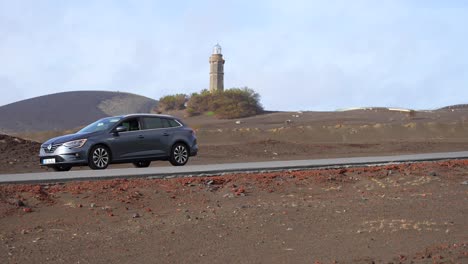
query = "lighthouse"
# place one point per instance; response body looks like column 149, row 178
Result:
column 216, row 70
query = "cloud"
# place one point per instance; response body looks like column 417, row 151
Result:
column 309, row 55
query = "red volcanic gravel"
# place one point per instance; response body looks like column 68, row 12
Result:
column 397, row 213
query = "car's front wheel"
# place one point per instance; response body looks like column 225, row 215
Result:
column 141, row 164
column 179, row 154
column 61, row 167
column 99, row 157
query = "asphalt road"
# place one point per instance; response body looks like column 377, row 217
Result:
column 217, row 169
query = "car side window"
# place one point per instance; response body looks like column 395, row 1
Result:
column 131, row 124
column 173, row 123
column 153, row 122
column 165, row 123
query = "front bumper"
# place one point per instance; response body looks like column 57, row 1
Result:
column 63, row 155
column 194, row 150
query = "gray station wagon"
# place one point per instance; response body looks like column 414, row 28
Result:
column 135, row 138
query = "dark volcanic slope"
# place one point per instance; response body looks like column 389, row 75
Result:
column 68, row 110
column 458, row 106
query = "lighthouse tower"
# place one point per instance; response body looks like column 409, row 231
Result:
column 216, row 70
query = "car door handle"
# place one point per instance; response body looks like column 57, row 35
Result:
column 165, row 134
column 141, row 136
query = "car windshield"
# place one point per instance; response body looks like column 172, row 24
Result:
column 100, row 125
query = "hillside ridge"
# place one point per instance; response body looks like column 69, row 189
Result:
column 67, row 110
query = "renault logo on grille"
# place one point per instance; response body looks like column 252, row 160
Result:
column 49, row 148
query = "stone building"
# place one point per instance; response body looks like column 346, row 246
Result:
column 216, row 70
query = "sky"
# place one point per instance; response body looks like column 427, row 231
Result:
column 298, row 55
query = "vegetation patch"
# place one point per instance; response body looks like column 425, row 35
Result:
column 227, row 104
column 172, row 102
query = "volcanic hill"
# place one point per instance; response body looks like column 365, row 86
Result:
column 67, row 110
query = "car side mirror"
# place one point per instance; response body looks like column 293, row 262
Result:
column 120, row 129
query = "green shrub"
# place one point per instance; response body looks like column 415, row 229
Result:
column 231, row 103
column 198, row 103
column 172, row 102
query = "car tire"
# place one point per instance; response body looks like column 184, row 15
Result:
column 61, row 167
column 141, row 164
column 99, row 157
column 179, row 154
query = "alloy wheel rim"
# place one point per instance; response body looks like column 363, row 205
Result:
column 180, row 154
column 100, row 157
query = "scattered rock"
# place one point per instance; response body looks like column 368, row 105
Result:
column 16, row 202
column 228, row 195
column 433, row 174
column 238, row 122
column 136, row 215
column 465, row 183
column 239, row 191
column 27, row 210
column 92, row 205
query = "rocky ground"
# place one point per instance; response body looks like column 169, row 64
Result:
column 18, row 155
column 407, row 213
column 289, row 136
column 413, row 213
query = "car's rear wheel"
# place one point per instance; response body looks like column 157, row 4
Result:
column 179, row 154
column 141, row 164
column 61, row 167
column 99, row 157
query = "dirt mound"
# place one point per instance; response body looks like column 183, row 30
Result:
column 68, row 110
column 18, row 155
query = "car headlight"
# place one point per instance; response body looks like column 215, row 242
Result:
column 75, row 143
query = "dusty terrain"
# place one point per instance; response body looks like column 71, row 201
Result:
column 291, row 135
column 393, row 214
